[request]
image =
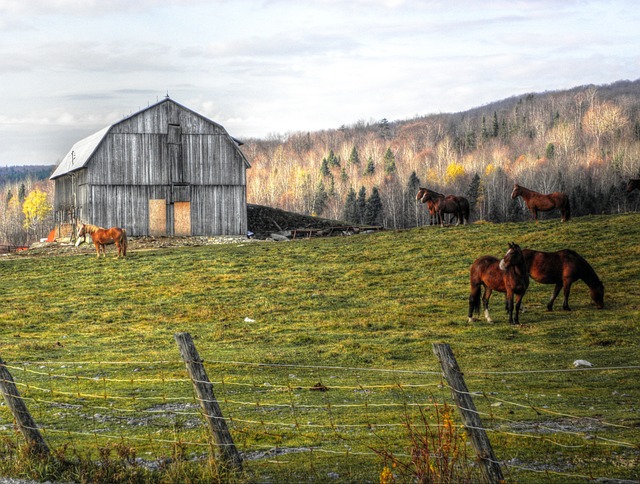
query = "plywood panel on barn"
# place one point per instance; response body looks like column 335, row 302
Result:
column 157, row 217
column 182, row 218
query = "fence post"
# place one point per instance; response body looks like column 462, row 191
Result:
column 225, row 449
column 489, row 465
column 21, row 414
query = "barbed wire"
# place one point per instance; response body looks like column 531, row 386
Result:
column 335, row 411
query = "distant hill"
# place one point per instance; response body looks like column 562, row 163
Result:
column 13, row 174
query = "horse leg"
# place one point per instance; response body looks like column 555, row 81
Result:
column 556, row 291
column 485, row 304
column 474, row 301
column 517, row 309
column 97, row 246
column 510, row 308
column 567, row 290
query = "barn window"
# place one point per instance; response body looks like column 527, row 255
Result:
column 173, row 134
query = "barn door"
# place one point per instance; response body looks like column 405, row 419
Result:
column 158, row 217
column 182, row 218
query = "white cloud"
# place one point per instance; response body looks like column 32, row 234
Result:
column 266, row 66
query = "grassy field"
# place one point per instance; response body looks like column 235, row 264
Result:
column 91, row 343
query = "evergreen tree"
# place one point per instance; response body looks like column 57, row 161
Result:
column 351, row 207
column 373, row 210
column 410, row 214
column 389, row 162
column 496, row 126
column 385, row 129
column 354, row 157
column 371, row 167
column 361, row 204
column 324, row 167
column 22, row 193
column 550, row 152
column 473, row 192
column 485, row 131
column 320, row 199
column 332, row 160
column 344, row 177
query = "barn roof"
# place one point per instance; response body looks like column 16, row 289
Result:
column 80, row 153
column 82, row 150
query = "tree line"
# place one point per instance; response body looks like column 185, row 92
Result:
column 584, row 141
column 25, row 210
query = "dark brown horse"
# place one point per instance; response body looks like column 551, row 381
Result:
column 102, row 237
column 563, row 268
column 508, row 275
column 431, row 205
column 538, row 202
column 440, row 205
column 634, row 184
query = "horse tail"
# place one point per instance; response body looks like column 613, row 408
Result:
column 124, row 242
column 476, row 291
column 474, row 300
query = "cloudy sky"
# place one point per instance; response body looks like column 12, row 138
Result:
column 261, row 67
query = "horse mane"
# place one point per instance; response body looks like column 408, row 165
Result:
column 90, row 228
column 588, row 273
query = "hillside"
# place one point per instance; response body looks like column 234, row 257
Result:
column 17, row 174
column 584, row 141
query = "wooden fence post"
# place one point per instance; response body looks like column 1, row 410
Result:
column 489, row 465
column 225, row 449
column 21, row 414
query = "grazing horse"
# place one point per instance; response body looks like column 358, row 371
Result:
column 539, row 202
column 508, row 275
column 439, row 204
column 101, row 237
column 634, row 184
column 563, row 268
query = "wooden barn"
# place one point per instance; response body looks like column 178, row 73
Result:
column 165, row 170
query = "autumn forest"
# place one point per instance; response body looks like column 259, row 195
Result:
column 584, row 141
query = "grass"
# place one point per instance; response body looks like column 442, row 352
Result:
column 75, row 329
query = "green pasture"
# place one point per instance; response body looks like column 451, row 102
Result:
column 90, row 343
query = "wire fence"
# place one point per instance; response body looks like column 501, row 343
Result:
column 327, row 419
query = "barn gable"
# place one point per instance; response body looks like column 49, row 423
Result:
column 165, row 170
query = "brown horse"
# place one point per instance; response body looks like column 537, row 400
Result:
column 539, row 202
column 431, row 205
column 102, row 237
column 563, row 268
column 634, row 184
column 508, row 275
column 439, row 205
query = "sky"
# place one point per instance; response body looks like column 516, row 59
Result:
column 261, row 68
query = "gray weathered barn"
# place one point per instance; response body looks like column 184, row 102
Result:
column 165, row 170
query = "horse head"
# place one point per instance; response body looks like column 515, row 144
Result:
column 513, row 257
column 516, row 191
column 597, row 294
column 83, row 231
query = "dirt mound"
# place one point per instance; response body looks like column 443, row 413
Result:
column 263, row 221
